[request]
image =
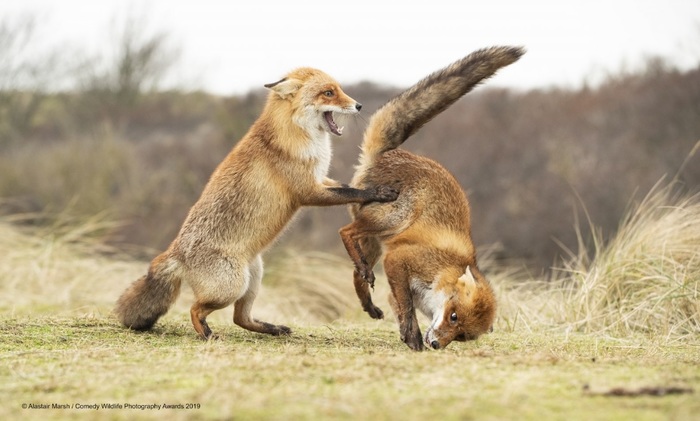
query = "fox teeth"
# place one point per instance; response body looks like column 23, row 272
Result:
column 340, row 129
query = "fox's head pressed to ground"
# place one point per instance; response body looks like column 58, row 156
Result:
column 315, row 98
column 464, row 307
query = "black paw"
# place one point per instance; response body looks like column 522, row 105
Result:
column 368, row 275
column 270, row 329
column 385, row 194
column 415, row 344
column 414, row 341
column 280, row 330
column 374, row 312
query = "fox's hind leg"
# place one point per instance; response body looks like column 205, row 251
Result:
column 361, row 237
column 216, row 282
column 199, row 313
column 372, row 251
column 243, row 306
column 352, row 235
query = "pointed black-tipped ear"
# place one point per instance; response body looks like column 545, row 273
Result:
column 284, row 87
column 273, row 84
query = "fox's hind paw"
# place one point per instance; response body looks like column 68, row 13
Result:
column 275, row 330
column 368, row 275
column 374, row 312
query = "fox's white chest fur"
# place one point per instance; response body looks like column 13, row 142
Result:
column 430, row 302
column 319, row 150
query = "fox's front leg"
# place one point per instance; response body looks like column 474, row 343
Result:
column 408, row 322
column 401, row 301
column 323, row 195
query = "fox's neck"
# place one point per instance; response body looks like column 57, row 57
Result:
column 320, row 152
column 289, row 134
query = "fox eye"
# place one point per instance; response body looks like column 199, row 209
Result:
column 328, row 93
column 453, row 317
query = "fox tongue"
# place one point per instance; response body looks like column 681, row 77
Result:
column 338, row 131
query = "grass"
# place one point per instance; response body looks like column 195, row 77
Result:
column 334, row 371
column 645, row 279
column 622, row 320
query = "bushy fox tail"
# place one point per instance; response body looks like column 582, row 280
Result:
column 150, row 297
column 402, row 116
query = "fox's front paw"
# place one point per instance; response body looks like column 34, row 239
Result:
column 385, row 194
column 414, row 342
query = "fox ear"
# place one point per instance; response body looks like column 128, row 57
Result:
column 284, row 87
column 468, row 277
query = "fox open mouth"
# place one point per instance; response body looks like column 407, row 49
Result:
column 338, row 131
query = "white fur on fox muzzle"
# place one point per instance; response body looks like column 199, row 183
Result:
column 431, row 340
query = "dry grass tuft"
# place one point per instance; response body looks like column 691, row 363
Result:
column 645, row 279
column 62, row 268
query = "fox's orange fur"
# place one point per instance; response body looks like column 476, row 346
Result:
column 279, row 166
column 425, row 235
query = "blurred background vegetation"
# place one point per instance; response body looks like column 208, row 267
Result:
column 82, row 136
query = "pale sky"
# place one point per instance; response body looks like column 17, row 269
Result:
column 233, row 46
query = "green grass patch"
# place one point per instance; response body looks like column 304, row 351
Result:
column 357, row 370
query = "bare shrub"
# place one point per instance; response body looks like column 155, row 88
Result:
column 24, row 77
column 111, row 86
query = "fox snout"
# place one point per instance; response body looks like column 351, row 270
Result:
column 431, row 339
column 435, row 343
column 328, row 109
column 352, row 108
column 437, row 339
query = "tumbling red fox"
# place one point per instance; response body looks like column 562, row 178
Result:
column 425, row 235
column 279, row 166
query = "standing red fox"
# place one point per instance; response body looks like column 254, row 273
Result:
column 425, row 235
column 279, row 166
